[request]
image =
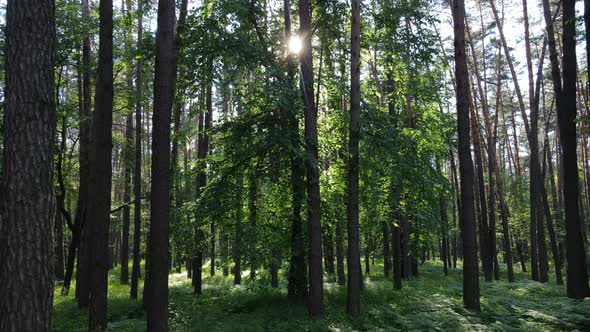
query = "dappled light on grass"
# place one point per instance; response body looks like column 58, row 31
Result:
column 430, row 302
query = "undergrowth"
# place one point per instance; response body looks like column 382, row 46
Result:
column 430, row 302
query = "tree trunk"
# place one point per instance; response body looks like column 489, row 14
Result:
column 297, row 280
column 26, row 279
column 61, row 213
column 237, row 247
column 444, row 226
column 577, row 273
column 467, row 215
column 158, row 247
column 101, row 173
column 135, row 270
column 128, row 160
column 83, row 261
column 252, row 219
column 386, row 253
column 353, row 306
column 316, row 287
column 340, row 253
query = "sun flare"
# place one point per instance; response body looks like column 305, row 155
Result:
column 294, row 45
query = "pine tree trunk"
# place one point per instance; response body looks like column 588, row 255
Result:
column 297, row 279
column 316, row 287
column 577, row 273
column 83, row 260
column 98, row 218
column 353, row 306
column 128, row 161
column 467, row 215
column 136, row 269
column 237, row 247
column 158, row 247
column 386, row 254
column 252, row 219
column 26, row 276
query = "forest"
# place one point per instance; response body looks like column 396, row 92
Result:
column 309, row 165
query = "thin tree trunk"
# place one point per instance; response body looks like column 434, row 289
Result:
column 297, row 279
column 467, row 216
column 252, row 219
column 353, row 306
column 83, row 261
column 316, row 287
column 135, row 270
column 237, row 247
column 386, row 253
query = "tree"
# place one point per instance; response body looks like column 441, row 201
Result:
column 353, row 306
column 577, row 273
column 135, row 270
column 79, row 231
column 99, row 208
column 297, row 287
column 467, row 215
column 158, row 259
column 127, row 162
column 26, row 205
column 316, row 287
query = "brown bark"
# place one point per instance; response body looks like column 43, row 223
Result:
column 297, row 280
column 158, row 257
column 316, row 287
column 577, row 273
column 135, row 270
column 467, row 215
column 237, row 246
column 353, row 306
column 26, row 205
column 99, row 207
column 82, row 266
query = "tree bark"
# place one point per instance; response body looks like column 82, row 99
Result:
column 99, row 207
column 297, row 280
column 237, row 247
column 26, row 205
column 135, row 270
column 316, row 287
column 353, row 306
column 577, row 273
column 158, row 248
column 386, row 253
column 83, row 261
column 467, row 215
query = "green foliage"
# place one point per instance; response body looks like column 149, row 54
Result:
column 430, row 302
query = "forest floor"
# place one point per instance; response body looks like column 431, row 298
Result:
column 430, row 302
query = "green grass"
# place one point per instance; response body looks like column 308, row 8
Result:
column 431, row 302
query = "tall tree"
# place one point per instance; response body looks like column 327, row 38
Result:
column 127, row 159
column 353, row 306
column 79, row 231
column 135, row 270
column 158, row 258
column 316, row 285
column 26, row 203
column 297, row 280
column 467, row 215
column 99, row 207
column 577, row 273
